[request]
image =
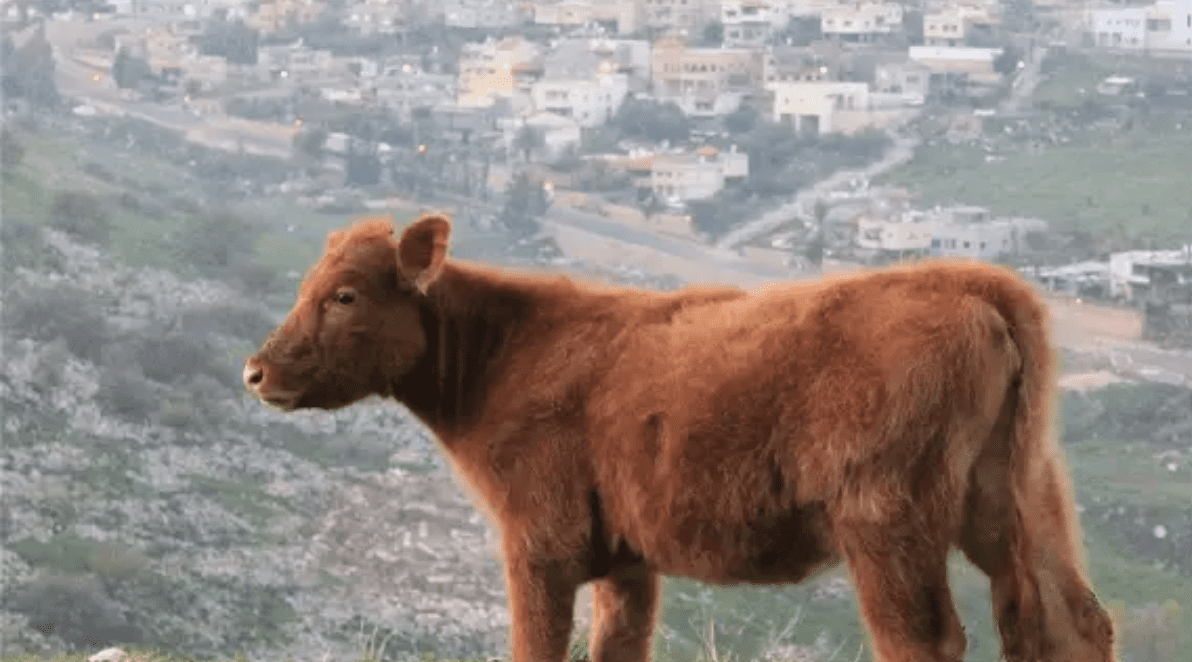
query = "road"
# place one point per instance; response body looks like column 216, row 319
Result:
column 900, row 151
column 93, row 85
column 1026, row 80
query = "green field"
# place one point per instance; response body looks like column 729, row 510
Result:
column 1133, row 185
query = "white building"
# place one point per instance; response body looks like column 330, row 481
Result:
column 697, row 175
column 810, row 106
column 1128, row 270
column 749, row 23
column 973, row 232
column 480, row 14
column 589, row 101
column 861, row 22
column 1163, row 26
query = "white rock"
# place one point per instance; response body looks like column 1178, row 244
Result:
column 112, row 654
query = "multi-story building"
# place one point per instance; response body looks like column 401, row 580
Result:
column 749, row 23
column 491, row 14
column 861, row 21
column 403, row 91
column 1163, row 26
column 697, row 175
column 492, row 69
column 277, row 14
column 810, row 107
column 377, row 16
column 907, row 78
column 590, row 101
column 792, row 64
column 975, row 63
column 705, row 81
column 973, row 232
column 627, row 14
column 684, row 17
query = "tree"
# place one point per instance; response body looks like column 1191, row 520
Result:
column 12, row 152
column 363, row 168
column 741, row 120
column 814, row 251
column 129, row 70
column 81, row 215
column 310, row 142
column 1007, row 63
column 29, row 71
column 529, row 139
column 233, row 40
column 217, row 242
column 525, row 202
column 652, row 120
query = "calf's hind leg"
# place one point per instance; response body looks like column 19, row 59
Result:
column 901, row 578
column 623, row 607
column 1031, row 551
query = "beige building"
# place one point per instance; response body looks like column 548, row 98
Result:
column 861, row 21
column 697, row 175
column 812, row 107
column 909, row 232
column 977, row 63
column 705, row 80
column 492, row 69
column 956, row 25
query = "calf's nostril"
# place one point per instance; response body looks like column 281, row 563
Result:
column 253, row 375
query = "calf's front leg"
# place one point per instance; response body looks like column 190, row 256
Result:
column 541, row 606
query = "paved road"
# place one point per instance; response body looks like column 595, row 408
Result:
column 901, row 151
column 94, row 85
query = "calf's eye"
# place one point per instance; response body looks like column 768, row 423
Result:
column 344, row 298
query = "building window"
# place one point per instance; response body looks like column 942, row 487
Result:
column 966, row 244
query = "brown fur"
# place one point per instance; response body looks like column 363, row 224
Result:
column 616, row 435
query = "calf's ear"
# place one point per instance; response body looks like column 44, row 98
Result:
column 422, row 250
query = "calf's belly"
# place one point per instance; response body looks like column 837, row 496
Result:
column 773, row 548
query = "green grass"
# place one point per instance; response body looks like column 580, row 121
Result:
column 1103, row 183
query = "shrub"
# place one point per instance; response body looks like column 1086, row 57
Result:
column 75, row 608
column 170, row 356
column 23, row 245
column 48, row 312
column 124, row 392
column 81, row 215
column 216, row 242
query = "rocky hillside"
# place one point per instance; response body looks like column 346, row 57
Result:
column 147, row 499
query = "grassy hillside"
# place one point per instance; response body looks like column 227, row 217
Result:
column 1106, row 165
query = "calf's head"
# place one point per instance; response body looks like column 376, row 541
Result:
column 355, row 329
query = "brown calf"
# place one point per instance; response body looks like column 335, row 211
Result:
column 615, row 435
